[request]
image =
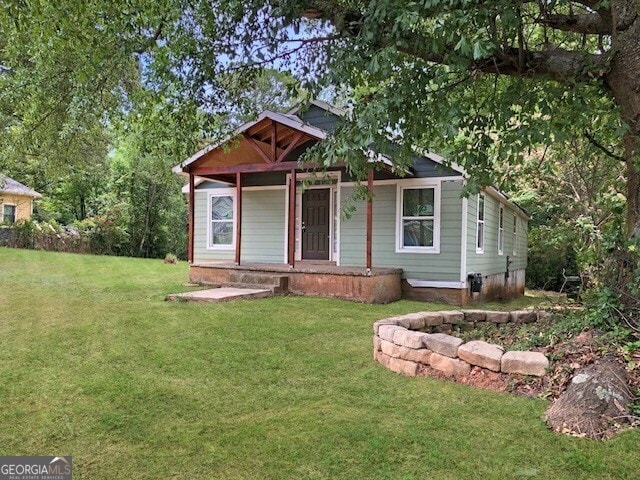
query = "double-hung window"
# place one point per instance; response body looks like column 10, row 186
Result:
column 9, row 213
column 418, row 219
column 480, row 225
column 221, row 220
column 501, row 230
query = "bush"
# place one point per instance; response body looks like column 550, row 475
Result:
column 104, row 235
column 549, row 253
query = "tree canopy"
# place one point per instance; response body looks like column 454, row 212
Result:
column 484, row 83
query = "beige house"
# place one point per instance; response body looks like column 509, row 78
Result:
column 16, row 200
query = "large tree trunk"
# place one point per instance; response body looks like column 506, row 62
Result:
column 624, row 82
column 632, row 155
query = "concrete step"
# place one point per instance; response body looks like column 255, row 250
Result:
column 222, row 294
column 278, row 284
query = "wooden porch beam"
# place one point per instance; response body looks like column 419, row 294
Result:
column 274, row 145
column 369, row 219
column 239, row 215
column 221, row 178
column 247, row 168
column 265, row 126
column 292, row 145
column 256, row 147
column 192, row 188
column 283, row 141
column 291, row 229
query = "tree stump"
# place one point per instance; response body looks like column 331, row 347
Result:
column 596, row 399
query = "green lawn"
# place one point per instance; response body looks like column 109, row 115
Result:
column 94, row 364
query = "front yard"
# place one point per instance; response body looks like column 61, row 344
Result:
column 94, row 364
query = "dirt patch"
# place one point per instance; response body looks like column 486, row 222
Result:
column 499, row 382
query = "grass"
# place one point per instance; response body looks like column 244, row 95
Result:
column 94, row 364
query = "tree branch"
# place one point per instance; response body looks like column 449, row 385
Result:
column 554, row 62
column 551, row 62
column 601, row 147
column 152, row 40
column 589, row 23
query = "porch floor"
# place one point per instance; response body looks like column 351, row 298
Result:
column 380, row 285
column 301, row 267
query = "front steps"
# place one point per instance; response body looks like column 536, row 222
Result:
column 222, row 294
column 278, row 284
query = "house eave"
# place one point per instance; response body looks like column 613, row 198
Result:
column 32, row 194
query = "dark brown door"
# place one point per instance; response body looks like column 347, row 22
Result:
column 315, row 224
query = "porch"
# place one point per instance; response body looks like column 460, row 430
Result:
column 375, row 285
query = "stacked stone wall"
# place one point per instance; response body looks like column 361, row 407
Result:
column 407, row 344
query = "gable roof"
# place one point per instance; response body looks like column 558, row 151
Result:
column 289, row 120
column 292, row 120
column 10, row 186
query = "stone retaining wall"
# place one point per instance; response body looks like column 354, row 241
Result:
column 408, row 343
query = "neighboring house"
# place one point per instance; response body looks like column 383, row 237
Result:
column 16, row 200
column 251, row 222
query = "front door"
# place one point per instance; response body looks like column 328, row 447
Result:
column 315, row 224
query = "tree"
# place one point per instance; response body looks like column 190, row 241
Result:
column 587, row 45
column 572, row 191
column 483, row 82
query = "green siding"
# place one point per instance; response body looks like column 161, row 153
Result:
column 263, row 234
column 263, row 217
column 490, row 262
column 443, row 266
column 263, row 223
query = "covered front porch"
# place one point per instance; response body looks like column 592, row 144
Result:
column 374, row 285
column 268, row 149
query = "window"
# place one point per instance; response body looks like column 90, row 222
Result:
column 515, row 235
column 480, row 225
column 222, row 217
column 501, row 231
column 418, row 219
column 9, row 213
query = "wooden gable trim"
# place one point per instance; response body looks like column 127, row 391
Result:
column 252, row 141
column 294, row 143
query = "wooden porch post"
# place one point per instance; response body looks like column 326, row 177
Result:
column 291, row 260
column 369, row 219
column 192, row 194
column 239, row 216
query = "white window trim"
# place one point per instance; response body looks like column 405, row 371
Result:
column 501, row 229
column 222, row 192
column 15, row 215
column 419, row 183
column 515, row 235
column 484, row 224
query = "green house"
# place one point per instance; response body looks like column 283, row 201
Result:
column 259, row 216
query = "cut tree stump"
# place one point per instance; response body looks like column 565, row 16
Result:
column 597, row 397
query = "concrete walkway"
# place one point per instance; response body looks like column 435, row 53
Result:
column 223, row 294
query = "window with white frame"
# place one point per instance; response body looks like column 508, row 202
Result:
column 418, row 219
column 515, row 235
column 8, row 213
column 501, row 230
column 222, row 220
column 480, row 225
